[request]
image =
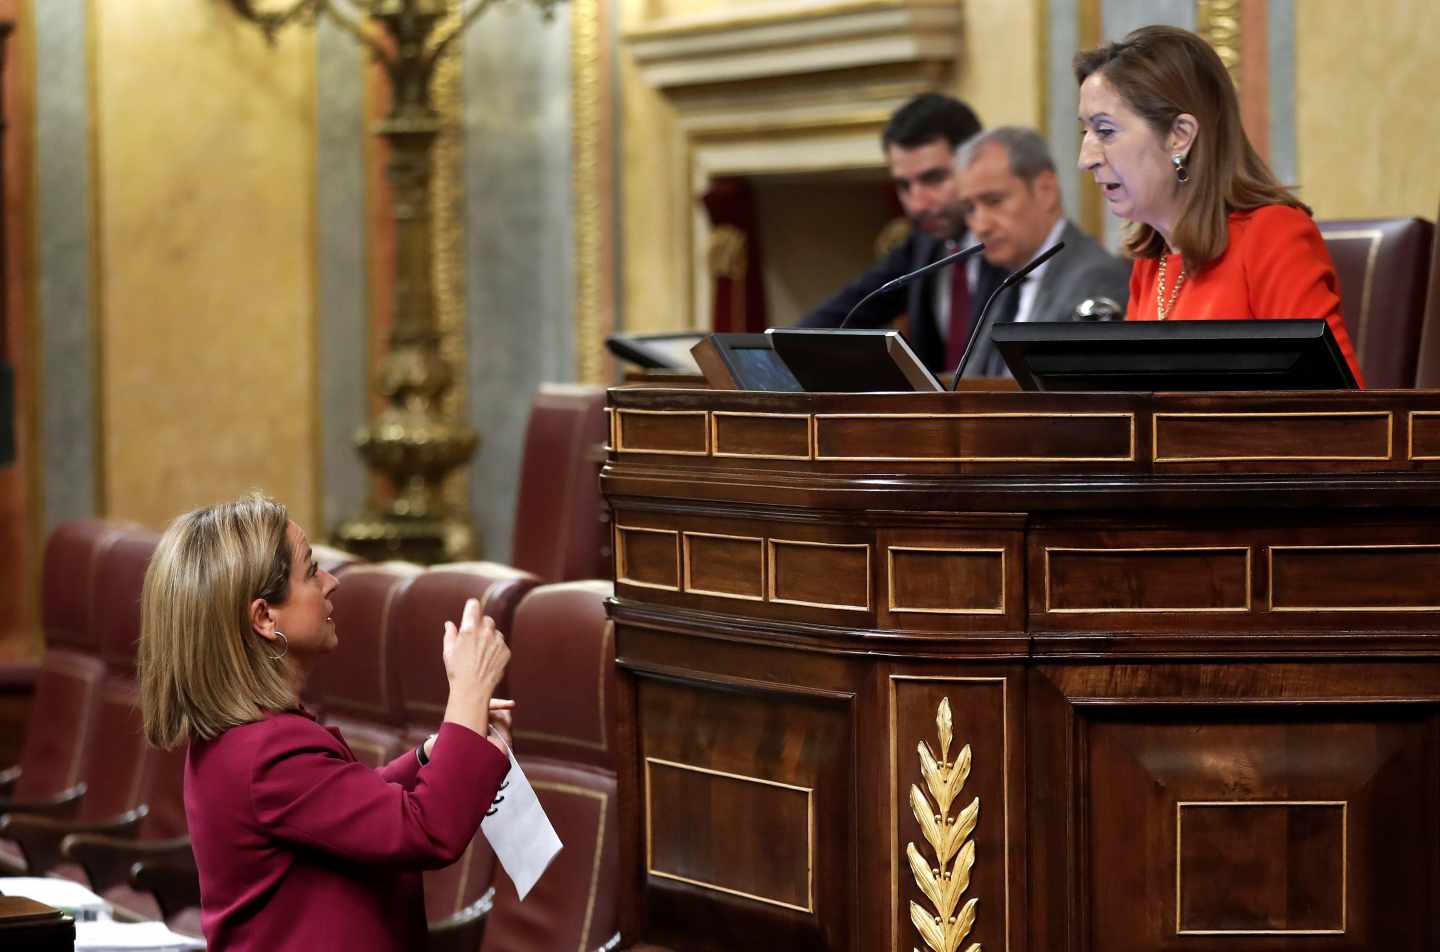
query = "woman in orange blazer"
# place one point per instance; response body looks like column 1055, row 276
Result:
column 300, row 846
column 1217, row 236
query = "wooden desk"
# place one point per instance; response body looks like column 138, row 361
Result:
column 1188, row 643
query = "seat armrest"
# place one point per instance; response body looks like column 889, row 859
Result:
column 40, row 837
column 169, row 873
column 62, row 805
column 463, row 931
column 8, row 778
column 107, row 859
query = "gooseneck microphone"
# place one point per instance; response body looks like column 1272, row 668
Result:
column 1013, row 279
column 905, row 279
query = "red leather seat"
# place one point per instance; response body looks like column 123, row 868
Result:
column 1428, row 375
column 115, row 758
column 558, row 534
column 562, row 676
column 1383, row 265
column 452, row 895
column 575, row 903
column 357, row 688
column 562, row 673
column 64, row 712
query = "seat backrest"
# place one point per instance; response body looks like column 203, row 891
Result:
column 116, row 757
column 575, row 903
column 419, row 615
column 1428, row 374
column 1383, row 265
column 73, row 555
column 118, row 583
column 64, row 711
column 357, row 688
column 562, row 674
column 557, row 533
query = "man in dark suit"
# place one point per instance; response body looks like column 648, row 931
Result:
column 1010, row 199
column 919, row 142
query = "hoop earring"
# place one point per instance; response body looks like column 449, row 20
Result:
column 1182, row 174
column 284, row 645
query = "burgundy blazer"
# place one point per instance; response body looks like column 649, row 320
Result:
column 300, row 846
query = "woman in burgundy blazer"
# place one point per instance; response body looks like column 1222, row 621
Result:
column 298, row 845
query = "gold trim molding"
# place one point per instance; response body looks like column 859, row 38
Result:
column 622, row 563
column 950, row 841
column 770, row 545
column 1344, row 806
column 890, row 579
column 1386, row 415
column 1138, row 550
column 688, row 561
column 1410, row 434
column 1218, row 21
column 1270, row 594
column 593, row 211
column 1128, row 417
column 809, row 792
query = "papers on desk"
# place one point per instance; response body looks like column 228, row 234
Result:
column 519, row 831
column 95, row 931
column 106, row 935
column 62, row 894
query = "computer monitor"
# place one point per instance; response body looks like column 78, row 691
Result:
column 851, row 361
column 742, row 362
column 656, row 351
column 1148, row 356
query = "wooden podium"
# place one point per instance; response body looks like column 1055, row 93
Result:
column 1158, row 671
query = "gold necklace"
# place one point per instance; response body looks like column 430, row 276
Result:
column 1163, row 307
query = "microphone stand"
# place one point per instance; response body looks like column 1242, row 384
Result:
column 980, row 325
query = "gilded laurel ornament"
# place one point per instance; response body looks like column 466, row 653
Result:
column 944, row 883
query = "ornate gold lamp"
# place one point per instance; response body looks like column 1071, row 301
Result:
column 410, row 442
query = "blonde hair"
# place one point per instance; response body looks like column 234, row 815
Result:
column 202, row 669
column 1161, row 72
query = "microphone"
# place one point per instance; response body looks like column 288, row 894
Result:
column 905, row 279
column 1013, row 279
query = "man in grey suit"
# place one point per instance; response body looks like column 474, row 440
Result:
column 1010, row 198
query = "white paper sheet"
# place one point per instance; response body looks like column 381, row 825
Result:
column 519, row 831
column 60, row 893
column 108, row 936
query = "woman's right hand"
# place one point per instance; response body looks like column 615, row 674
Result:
column 475, row 658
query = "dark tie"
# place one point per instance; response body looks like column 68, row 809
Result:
column 960, row 308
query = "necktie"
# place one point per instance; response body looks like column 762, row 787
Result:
column 959, row 315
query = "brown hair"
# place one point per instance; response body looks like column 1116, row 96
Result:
column 202, row 669
column 1161, row 72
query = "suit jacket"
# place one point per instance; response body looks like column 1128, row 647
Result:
column 916, row 299
column 300, row 846
column 1083, row 270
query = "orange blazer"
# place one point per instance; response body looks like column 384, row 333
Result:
column 1275, row 265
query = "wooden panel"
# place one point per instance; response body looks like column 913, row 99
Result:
column 820, row 574
column 669, row 432
column 758, row 816
column 979, row 437
column 946, row 581
column 761, row 435
column 1228, row 879
column 1147, row 579
column 649, row 558
column 1300, row 436
column 1425, row 435
column 1394, row 578
column 725, row 565
column 767, row 852
column 978, row 707
column 1255, row 875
